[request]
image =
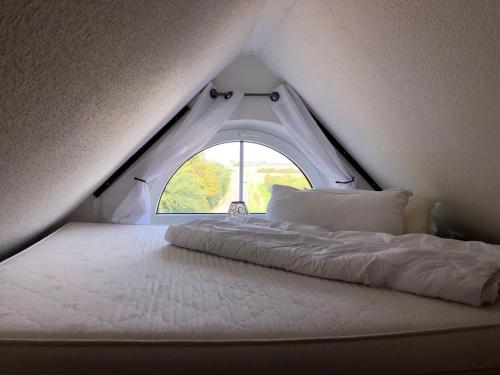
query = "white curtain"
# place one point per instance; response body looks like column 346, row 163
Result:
column 309, row 138
column 183, row 140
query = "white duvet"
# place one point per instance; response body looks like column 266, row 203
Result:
column 467, row 272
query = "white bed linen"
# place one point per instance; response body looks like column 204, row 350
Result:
column 120, row 282
column 467, row 272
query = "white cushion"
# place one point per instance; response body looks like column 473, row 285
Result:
column 417, row 213
column 382, row 212
column 418, row 217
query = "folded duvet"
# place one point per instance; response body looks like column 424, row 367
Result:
column 467, row 272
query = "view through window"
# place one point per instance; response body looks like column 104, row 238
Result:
column 210, row 180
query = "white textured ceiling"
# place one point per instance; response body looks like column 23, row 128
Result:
column 85, row 83
column 410, row 87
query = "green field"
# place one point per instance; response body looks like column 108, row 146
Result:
column 258, row 197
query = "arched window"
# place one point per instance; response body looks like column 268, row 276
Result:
column 226, row 172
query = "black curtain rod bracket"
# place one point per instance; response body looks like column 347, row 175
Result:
column 214, row 94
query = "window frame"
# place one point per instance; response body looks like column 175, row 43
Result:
column 267, row 134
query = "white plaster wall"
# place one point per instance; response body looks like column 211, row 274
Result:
column 412, row 88
column 84, row 84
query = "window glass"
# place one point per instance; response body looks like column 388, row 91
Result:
column 264, row 167
column 206, row 183
column 213, row 178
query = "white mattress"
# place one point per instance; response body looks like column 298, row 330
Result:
column 118, row 282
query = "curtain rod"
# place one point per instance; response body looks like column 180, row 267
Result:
column 274, row 96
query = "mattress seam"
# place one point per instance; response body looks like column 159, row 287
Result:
column 261, row 341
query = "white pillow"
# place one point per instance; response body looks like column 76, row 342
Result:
column 382, row 212
column 417, row 213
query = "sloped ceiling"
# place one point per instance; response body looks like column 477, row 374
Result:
column 412, row 89
column 84, row 83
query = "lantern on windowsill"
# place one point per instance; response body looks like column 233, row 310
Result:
column 237, row 208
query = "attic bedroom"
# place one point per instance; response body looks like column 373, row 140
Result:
column 258, row 186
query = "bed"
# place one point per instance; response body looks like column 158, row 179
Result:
column 118, row 298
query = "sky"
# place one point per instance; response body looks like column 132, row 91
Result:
column 226, row 153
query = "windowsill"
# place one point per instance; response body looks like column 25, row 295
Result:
column 166, row 219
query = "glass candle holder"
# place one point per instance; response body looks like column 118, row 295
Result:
column 237, row 208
